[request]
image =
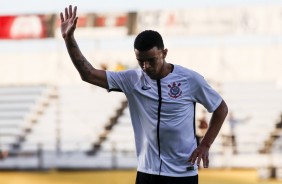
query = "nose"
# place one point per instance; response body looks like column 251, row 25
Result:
column 145, row 65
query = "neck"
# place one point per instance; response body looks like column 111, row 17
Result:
column 166, row 69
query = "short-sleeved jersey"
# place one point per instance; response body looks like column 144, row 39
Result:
column 163, row 116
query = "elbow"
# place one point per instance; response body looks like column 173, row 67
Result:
column 222, row 109
column 85, row 77
column 89, row 79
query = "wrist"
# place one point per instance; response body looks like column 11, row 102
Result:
column 204, row 144
column 68, row 37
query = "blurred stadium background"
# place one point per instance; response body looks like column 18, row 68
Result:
column 51, row 120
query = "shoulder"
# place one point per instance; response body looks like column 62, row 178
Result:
column 130, row 75
column 128, row 72
column 186, row 72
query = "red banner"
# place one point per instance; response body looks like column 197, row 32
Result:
column 22, row 27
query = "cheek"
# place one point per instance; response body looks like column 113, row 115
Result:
column 160, row 65
column 156, row 67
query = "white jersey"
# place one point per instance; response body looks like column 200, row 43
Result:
column 163, row 116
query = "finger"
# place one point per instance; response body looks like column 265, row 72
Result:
column 193, row 158
column 62, row 17
column 74, row 22
column 70, row 11
column 199, row 161
column 206, row 162
column 74, row 11
column 66, row 13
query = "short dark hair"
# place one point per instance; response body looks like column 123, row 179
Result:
column 148, row 39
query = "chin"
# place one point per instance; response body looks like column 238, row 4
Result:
column 153, row 77
column 150, row 74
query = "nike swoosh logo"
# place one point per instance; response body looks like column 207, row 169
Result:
column 145, row 88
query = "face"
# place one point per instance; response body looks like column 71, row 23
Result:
column 152, row 61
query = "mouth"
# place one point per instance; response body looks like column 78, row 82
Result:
column 152, row 75
column 149, row 73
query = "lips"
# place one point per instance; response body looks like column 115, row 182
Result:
column 150, row 73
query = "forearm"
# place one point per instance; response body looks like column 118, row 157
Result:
column 84, row 68
column 215, row 124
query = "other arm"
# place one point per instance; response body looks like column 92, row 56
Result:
column 216, row 121
column 87, row 72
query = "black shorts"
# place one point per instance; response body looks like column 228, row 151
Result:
column 144, row 178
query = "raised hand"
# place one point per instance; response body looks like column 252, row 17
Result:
column 68, row 22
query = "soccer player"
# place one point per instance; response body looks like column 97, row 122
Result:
column 161, row 98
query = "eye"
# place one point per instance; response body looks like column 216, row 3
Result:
column 152, row 60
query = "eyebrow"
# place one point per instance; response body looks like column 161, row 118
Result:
column 152, row 58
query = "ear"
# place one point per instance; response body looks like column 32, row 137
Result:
column 164, row 53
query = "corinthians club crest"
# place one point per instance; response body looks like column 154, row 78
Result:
column 175, row 90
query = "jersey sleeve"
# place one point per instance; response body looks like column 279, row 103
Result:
column 121, row 81
column 203, row 93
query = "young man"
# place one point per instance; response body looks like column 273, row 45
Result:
column 161, row 98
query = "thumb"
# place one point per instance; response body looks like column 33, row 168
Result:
column 192, row 158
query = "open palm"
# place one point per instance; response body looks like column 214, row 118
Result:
column 68, row 22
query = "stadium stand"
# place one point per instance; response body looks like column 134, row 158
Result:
column 269, row 144
column 261, row 101
column 71, row 122
column 120, row 142
column 277, row 145
column 121, row 137
column 20, row 108
column 253, row 99
column 78, row 116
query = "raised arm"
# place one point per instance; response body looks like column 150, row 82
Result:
column 216, row 121
column 87, row 72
